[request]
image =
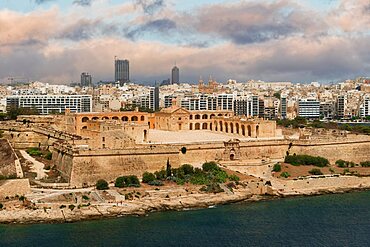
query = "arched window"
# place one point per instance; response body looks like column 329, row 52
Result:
column 243, row 130
column 205, row 116
column 249, row 131
column 115, row 118
column 197, row 126
column 197, row 116
column 205, row 125
column 124, row 118
column 134, row 118
column 85, row 119
column 142, row 118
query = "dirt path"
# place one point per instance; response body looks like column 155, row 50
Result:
column 37, row 166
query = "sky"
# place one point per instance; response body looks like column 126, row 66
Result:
column 273, row 40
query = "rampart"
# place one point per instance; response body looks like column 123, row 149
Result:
column 85, row 167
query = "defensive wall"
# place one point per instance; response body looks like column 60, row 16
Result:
column 85, row 167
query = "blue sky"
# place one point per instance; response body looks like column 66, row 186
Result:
column 275, row 40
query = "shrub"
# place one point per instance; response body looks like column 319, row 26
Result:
column 101, row 184
column 315, row 171
column 156, row 183
column 71, row 207
column 183, row 150
column 187, row 169
column 22, row 198
column 277, row 168
column 297, row 160
column 1, row 206
column 331, row 170
column 341, row 163
column 235, row 178
column 365, row 164
column 148, row 177
column 48, row 156
column 34, row 152
column 220, row 176
column 62, row 206
column 212, row 188
column 85, row 197
column 200, row 179
column 161, row 175
column 47, row 167
column 210, row 166
column 127, row 181
column 285, row 174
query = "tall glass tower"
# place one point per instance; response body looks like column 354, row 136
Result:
column 175, row 75
column 121, row 71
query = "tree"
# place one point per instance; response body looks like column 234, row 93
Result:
column 210, row 166
column 148, row 177
column 101, row 184
column 168, row 168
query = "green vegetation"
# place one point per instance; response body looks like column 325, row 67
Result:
column 315, row 171
column 343, row 163
column 148, row 177
column 101, row 184
column 156, row 183
column 168, row 168
column 12, row 176
column 48, row 155
column 294, row 123
column 277, row 95
column 34, row 152
column 1, row 206
column 331, row 170
column 85, row 197
column 234, row 178
column 1, row 134
column 285, row 175
column 13, row 113
column 306, row 160
column 22, row 198
column 71, row 207
column 365, row 164
column 212, row 188
column 127, row 181
column 277, row 168
column 210, row 175
column 183, row 150
column 299, row 121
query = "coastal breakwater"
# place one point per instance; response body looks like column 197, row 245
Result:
column 85, row 167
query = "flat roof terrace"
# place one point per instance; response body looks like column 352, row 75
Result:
column 195, row 136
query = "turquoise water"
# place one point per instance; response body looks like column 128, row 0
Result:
column 330, row 220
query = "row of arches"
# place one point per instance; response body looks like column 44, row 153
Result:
column 241, row 129
column 207, row 116
column 221, row 126
column 124, row 118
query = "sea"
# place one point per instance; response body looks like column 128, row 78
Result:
column 327, row 220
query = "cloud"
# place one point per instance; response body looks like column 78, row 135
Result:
column 255, row 22
column 150, row 6
column 42, row 1
column 274, row 40
column 83, row 2
column 162, row 26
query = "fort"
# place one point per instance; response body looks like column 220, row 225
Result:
column 89, row 146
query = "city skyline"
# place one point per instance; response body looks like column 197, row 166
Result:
column 54, row 41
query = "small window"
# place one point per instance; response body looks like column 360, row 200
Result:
column 103, row 139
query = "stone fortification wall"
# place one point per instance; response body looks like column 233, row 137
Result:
column 355, row 151
column 86, row 167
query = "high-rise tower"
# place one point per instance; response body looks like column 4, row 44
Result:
column 86, row 80
column 121, row 71
column 175, row 75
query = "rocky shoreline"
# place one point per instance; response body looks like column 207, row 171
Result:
column 53, row 213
